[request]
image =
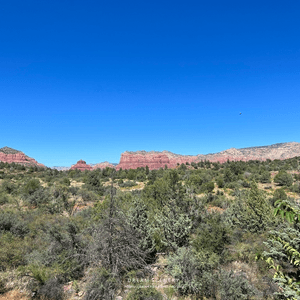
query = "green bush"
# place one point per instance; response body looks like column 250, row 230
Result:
column 102, row 286
column 141, row 293
column 2, row 287
column 51, row 290
column 128, row 184
column 234, row 286
column 3, row 199
column 31, row 186
column 284, row 179
column 193, row 272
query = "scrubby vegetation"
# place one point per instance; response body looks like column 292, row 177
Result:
column 200, row 231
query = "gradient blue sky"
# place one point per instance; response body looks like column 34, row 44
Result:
column 91, row 79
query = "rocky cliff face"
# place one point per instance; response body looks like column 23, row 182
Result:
column 153, row 159
column 10, row 155
column 156, row 160
column 81, row 165
column 103, row 165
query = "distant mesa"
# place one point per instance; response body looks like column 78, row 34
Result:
column 81, row 165
column 156, row 160
column 11, row 155
column 103, row 165
column 58, row 168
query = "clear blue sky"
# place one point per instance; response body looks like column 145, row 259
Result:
column 91, row 79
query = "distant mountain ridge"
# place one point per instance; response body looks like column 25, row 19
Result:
column 11, row 155
column 158, row 159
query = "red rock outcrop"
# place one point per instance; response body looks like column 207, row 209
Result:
column 81, row 165
column 10, row 155
column 103, row 165
column 156, row 160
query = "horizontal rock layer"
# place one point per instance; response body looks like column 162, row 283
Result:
column 18, row 158
column 156, row 160
column 103, row 165
column 81, row 165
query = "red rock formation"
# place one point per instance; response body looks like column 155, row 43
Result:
column 81, row 165
column 156, row 160
column 10, row 155
column 103, row 165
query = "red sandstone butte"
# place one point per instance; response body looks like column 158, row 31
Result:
column 81, row 165
column 10, row 155
column 156, row 160
column 153, row 159
column 103, row 165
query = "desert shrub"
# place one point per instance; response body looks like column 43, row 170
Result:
column 128, row 184
column 234, row 286
column 220, row 182
column 295, row 188
column 251, row 211
column 3, row 199
column 13, row 223
column 8, row 187
column 73, row 190
column 51, row 290
column 284, row 179
column 141, row 293
column 87, row 195
column 245, row 184
column 31, row 186
column 193, row 272
column 38, row 197
column 265, row 177
column 2, row 286
column 207, row 187
column 212, row 234
column 66, row 181
column 103, row 285
column 93, row 182
column 8, row 258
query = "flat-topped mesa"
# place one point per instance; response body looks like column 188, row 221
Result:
column 10, row 155
column 81, row 165
column 154, row 160
column 103, row 165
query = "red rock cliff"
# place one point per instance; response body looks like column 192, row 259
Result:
column 81, row 165
column 156, row 160
column 103, row 165
column 10, row 155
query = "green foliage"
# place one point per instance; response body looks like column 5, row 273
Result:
column 212, row 235
column 251, row 211
column 139, row 221
column 8, row 258
column 13, row 223
column 171, row 228
column 103, row 285
column 284, row 179
column 193, row 272
column 220, row 182
column 128, row 184
column 52, row 289
column 3, row 288
column 265, row 177
column 3, row 199
column 31, row 186
column 8, row 187
column 234, row 286
column 142, row 293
